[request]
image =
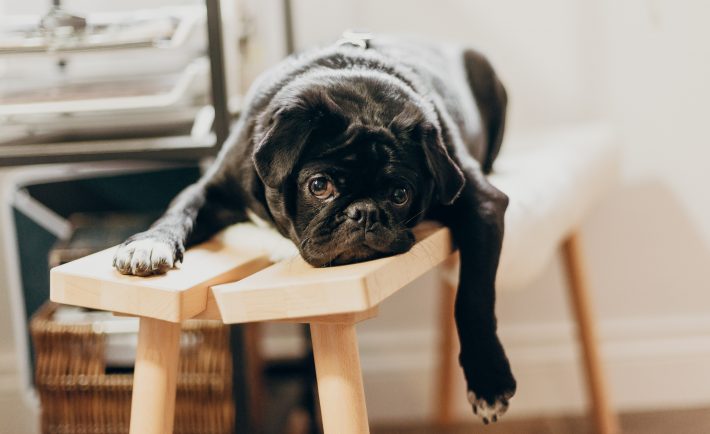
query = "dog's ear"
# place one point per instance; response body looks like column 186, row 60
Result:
column 448, row 177
column 287, row 131
column 281, row 145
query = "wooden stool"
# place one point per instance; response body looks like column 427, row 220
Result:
column 552, row 181
column 331, row 300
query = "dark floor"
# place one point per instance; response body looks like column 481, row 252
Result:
column 695, row 421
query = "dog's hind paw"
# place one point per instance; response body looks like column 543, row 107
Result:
column 144, row 257
column 486, row 411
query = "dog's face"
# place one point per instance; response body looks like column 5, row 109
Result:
column 350, row 166
column 358, row 203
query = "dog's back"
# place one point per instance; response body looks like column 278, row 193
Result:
column 461, row 79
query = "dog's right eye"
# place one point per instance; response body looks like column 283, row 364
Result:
column 321, row 187
column 400, row 196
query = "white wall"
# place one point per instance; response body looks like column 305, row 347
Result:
column 515, row 34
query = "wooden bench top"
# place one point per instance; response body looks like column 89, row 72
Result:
column 238, row 285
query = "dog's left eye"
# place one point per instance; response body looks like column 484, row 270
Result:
column 400, row 196
column 321, row 187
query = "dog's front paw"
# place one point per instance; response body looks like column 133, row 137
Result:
column 489, row 411
column 147, row 255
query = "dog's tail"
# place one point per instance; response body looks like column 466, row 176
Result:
column 491, row 99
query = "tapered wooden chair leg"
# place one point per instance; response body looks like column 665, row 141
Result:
column 605, row 420
column 443, row 406
column 155, row 376
column 340, row 389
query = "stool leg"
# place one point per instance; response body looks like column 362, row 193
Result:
column 154, row 378
column 604, row 419
column 443, row 410
column 340, row 389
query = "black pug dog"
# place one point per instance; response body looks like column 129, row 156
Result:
column 344, row 149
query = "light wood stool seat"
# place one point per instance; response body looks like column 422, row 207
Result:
column 240, row 286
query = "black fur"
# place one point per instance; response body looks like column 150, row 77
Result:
column 396, row 120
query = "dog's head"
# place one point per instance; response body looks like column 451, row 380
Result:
column 350, row 164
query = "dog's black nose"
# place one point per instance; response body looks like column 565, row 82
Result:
column 363, row 212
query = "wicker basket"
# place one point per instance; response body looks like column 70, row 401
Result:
column 78, row 396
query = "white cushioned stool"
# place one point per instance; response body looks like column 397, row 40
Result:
column 551, row 184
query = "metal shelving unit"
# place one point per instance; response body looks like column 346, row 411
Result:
column 144, row 125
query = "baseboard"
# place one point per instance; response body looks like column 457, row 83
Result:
column 651, row 363
column 19, row 410
column 9, row 381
